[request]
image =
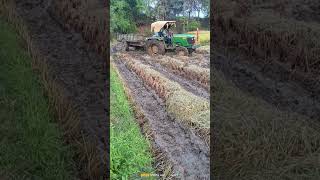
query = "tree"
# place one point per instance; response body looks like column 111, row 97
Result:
column 205, row 7
column 123, row 13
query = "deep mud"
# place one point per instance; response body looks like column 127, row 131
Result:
column 80, row 71
column 270, row 84
column 190, row 85
column 187, row 152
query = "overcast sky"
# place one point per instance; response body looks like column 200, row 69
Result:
column 194, row 14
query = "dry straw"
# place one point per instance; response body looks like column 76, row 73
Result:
column 189, row 71
column 271, row 37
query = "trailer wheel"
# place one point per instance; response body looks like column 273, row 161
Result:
column 155, row 47
column 182, row 51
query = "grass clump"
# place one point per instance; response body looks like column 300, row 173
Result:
column 129, row 150
column 31, row 145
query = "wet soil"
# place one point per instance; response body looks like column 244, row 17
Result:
column 188, row 153
column 270, row 83
column 79, row 70
column 189, row 85
column 202, row 60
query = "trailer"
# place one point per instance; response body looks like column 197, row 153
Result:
column 162, row 40
column 132, row 40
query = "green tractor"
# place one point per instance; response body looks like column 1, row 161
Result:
column 163, row 40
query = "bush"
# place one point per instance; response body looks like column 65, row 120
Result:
column 193, row 25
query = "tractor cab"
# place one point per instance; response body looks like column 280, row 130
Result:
column 162, row 29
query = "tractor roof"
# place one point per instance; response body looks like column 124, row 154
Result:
column 157, row 26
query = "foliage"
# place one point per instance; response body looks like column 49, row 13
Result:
column 31, row 145
column 124, row 13
column 193, row 25
column 129, row 150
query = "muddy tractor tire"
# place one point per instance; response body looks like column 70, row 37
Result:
column 182, row 51
column 155, row 47
column 127, row 46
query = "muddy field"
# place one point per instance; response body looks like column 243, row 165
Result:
column 185, row 146
column 78, row 69
column 268, row 51
column 270, row 84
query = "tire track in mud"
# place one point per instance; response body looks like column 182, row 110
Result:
column 202, row 60
column 81, row 72
column 189, row 85
column 274, row 89
column 187, row 152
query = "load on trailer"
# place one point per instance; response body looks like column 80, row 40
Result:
column 162, row 40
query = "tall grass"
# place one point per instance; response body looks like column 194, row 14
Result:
column 31, row 145
column 129, row 151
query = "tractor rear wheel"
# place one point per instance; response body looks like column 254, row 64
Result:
column 127, row 46
column 155, row 47
column 182, row 51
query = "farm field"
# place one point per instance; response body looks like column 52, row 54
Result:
column 60, row 41
column 28, row 130
column 266, row 64
column 172, row 94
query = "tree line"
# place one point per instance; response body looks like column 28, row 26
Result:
column 126, row 14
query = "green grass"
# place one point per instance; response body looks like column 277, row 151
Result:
column 204, row 37
column 31, row 146
column 129, row 150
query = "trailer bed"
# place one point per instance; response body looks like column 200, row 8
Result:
column 134, row 40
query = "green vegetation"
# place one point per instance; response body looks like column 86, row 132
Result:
column 126, row 15
column 193, row 25
column 129, row 150
column 123, row 12
column 31, row 145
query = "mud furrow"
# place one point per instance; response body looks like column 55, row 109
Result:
column 188, row 154
column 190, row 85
column 285, row 95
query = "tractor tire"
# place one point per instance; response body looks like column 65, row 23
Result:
column 182, row 51
column 127, row 46
column 190, row 51
column 155, row 47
